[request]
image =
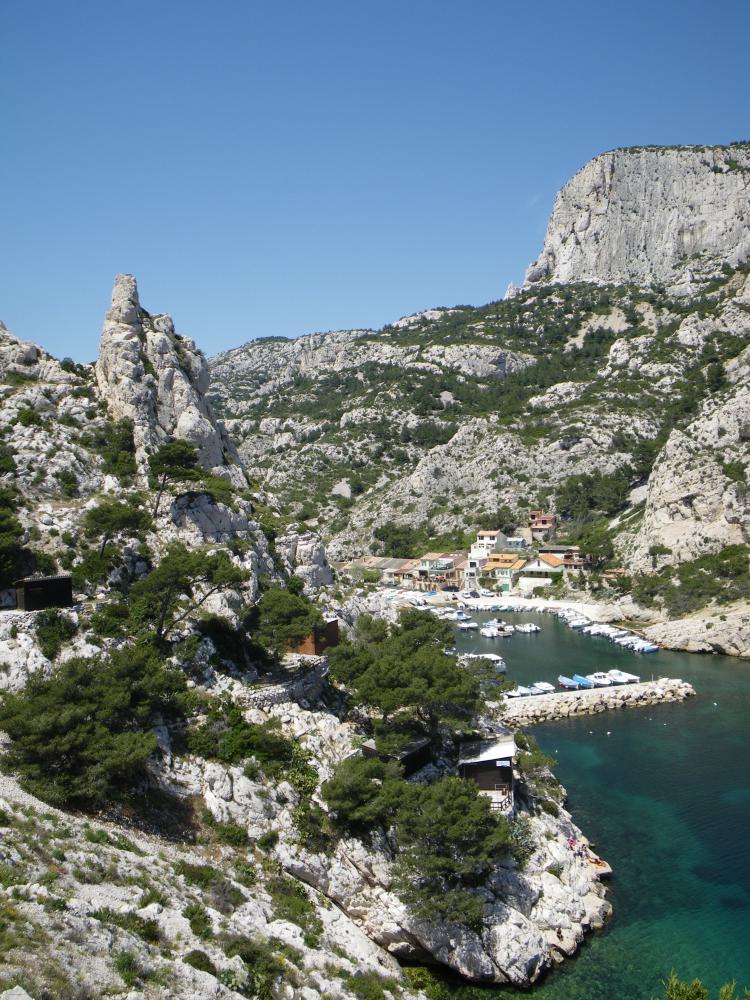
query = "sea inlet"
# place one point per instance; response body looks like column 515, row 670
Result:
column 664, row 795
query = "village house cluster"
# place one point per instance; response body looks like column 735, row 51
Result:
column 517, row 564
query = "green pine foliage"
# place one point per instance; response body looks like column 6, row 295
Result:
column 11, row 550
column 407, row 670
column 181, row 583
column 53, row 629
column 82, row 736
column 281, row 619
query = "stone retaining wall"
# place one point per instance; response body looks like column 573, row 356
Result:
column 563, row 705
column 304, row 686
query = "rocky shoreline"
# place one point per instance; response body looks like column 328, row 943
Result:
column 565, row 705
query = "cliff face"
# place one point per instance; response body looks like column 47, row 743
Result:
column 157, row 379
column 649, row 215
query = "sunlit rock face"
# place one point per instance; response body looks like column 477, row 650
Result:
column 649, row 215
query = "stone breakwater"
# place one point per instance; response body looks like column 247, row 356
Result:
column 564, row 705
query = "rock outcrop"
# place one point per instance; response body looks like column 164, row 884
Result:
column 648, row 215
column 532, row 917
column 151, row 375
column 698, row 498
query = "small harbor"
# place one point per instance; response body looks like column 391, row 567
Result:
column 662, row 794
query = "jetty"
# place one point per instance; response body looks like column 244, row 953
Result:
column 566, row 704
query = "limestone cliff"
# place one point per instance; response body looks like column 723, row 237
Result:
column 648, row 215
column 158, row 379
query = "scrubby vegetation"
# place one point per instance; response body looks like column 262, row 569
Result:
column 723, row 577
column 82, row 736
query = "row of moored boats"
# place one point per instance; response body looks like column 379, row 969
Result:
column 619, row 636
column 598, row 679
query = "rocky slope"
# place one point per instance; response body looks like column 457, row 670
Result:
column 224, row 873
column 647, row 215
column 608, row 373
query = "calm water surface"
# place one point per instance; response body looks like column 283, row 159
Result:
column 664, row 795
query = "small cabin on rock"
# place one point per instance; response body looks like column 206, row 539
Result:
column 319, row 640
column 412, row 757
column 489, row 763
column 34, row 593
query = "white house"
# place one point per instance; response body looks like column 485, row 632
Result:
column 541, row 571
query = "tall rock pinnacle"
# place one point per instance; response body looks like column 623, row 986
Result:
column 149, row 374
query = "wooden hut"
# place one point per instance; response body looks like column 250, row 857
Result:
column 411, row 757
column 489, row 763
column 319, row 640
column 33, row 593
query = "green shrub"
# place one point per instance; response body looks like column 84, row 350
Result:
column 370, row 985
column 114, row 444
column 245, row 872
column 227, row 736
column 268, row 840
column 53, row 629
column 265, row 967
column 204, row 876
column 290, row 903
column 68, row 483
column 82, row 736
column 200, row 960
column 127, row 967
column 28, row 417
column 200, row 921
column 144, row 928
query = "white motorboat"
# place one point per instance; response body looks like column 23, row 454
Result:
column 621, row 677
column 519, row 692
column 489, row 631
column 542, row 687
column 600, row 679
column 527, row 627
column 467, row 626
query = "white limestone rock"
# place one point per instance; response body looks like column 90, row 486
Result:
column 648, row 215
column 158, row 379
column 304, row 555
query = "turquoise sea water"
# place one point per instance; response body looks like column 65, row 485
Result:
column 664, row 795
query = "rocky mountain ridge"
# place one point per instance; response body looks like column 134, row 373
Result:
column 625, row 354
column 650, row 214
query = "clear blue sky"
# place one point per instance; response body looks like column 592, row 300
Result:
column 283, row 167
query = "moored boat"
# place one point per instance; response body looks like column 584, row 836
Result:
column 582, row 682
column 519, row 692
column 600, row 679
column 542, row 687
column 621, row 677
column 568, row 683
column 467, row 626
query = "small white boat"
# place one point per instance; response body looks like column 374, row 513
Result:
column 542, row 687
column 579, row 622
column 527, row 627
column 519, row 692
column 467, row 626
column 621, row 677
column 600, row 679
column 462, row 616
column 489, row 631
